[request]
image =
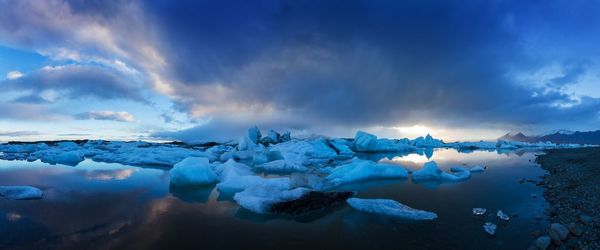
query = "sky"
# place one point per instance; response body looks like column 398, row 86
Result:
column 208, row 70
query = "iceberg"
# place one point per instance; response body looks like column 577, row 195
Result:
column 20, row 192
column 390, row 208
column 430, row 171
column 265, row 156
column 359, row 170
column 259, row 199
column 234, row 176
column 70, row 158
column 299, row 154
column 341, row 146
column 365, row 142
column 192, row 171
column 428, row 141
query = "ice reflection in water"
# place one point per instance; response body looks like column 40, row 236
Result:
column 101, row 205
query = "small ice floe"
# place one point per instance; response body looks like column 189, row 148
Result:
column 192, row 171
column 479, row 211
column 20, row 192
column 489, row 228
column 502, row 215
column 390, row 208
column 259, row 199
column 430, row 171
column 359, row 170
column 477, row 169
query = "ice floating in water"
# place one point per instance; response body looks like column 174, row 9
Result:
column 479, row 211
column 502, row 215
column 234, row 176
column 475, row 169
column 390, row 208
column 359, row 170
column 365, row 142
column 489, row 228
column 430, row 171
column 259, row 199
column 70, row 158
column 192, row 171
column 20, row 192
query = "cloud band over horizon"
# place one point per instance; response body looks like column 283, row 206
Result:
column 331, row 66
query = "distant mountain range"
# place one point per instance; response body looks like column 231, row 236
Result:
column 557, row 136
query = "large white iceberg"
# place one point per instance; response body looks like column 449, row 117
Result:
column 428, row 141
column 390, row 208
column 359, row 170
column 365, row 142
column 299, row 154
column 431, row 172
column 259, row 199
column 192, row 171
column 20, row 192
column 234, row 176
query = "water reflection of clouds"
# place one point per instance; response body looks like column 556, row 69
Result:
column 109, row 174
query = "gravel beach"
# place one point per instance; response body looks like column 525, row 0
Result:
column 572, row 188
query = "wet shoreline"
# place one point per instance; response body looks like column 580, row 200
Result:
column 572, row 189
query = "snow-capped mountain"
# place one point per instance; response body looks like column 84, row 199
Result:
column 557, row 136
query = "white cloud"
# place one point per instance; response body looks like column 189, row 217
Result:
column 14, row 75
column 106, row 115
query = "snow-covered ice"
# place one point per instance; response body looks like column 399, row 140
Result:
column 502, row 215
column 479, row 211
column 192, row 171
column 390, row 208
column 489, row 228
column 235, row 176
column 259, row 199
column 20, row 192
column 430, row 171
column 359, row 170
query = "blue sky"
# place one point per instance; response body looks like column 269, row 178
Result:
column 206, row 70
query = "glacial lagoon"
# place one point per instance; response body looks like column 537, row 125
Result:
column 109, row 205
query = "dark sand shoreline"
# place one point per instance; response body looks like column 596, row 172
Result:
column 572, row 189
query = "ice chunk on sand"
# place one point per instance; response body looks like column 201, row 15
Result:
column 20, row 192
column 390, row 208
column 259, row 199
column 502, row 215
column 359, row 170
column 192, row 171
column 479, row 211
column 489, row 228
column 430, row 171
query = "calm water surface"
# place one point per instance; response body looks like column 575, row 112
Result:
column 101, row 205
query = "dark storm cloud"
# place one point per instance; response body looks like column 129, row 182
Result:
column 364, row 63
